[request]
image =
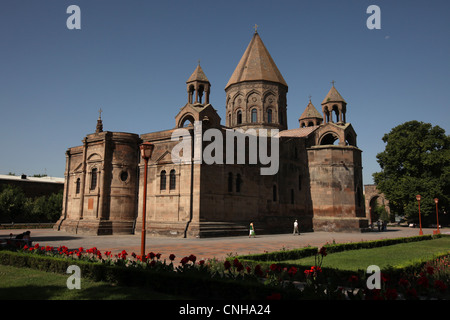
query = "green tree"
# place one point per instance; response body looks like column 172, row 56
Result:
column 416, row 160
column 12, row 204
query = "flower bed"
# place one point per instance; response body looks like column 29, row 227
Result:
column 239, row 277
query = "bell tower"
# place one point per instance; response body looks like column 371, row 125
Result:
column 334, row 104
column 197, row 86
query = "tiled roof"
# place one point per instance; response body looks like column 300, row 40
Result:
column 298, row 132
column 198, row 75
column 333, row 96
column 256, row 64
column 310, row 112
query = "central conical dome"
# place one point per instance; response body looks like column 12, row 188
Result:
column 256, row 64
column 256, row 92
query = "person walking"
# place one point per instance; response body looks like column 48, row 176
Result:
column 252, row 230
column 296, row 228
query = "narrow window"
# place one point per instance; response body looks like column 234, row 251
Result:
column 269, row 116
column 230, row 182
column 299, row 182
column 292, row 196
column 274, row 193
column 78, row 186
column 238, row 183
column 172, row 180
column 93, row 178
column 162, row 182
column 239, row 117
column 254, row 115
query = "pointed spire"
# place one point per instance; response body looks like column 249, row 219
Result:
column 256, row 64
column 198, row 75
column 310, row 112
column 99, row 122
column 333, row 95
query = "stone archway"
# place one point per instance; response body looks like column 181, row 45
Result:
column 374, row 197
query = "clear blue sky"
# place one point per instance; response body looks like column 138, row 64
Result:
column 132, row 58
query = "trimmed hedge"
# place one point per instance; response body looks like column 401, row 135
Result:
column 193, row 284
column 282, row 255
column 339, row 247
column 340, row 276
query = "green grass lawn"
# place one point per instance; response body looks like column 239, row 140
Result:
column 29, row 284
column 393, row 255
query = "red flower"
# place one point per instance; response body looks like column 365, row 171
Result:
column 192, row 258
column 239, row 267
column 273, row 267
column 201, row 262
column 316, row 269
column 172, row 257
column 158, row 255
column 184, row 260
column 441, row 286
column 151, row 255
column 227, row 265
column 258, row 271
column 423, row 281
column 391, row 294
column 430, row 270
column 248, row 269
column 411, row 293
column 235, row 263
column 323, row 251
column 403, row 282
column 353, row 279
column 292, row 271
column 274, row 296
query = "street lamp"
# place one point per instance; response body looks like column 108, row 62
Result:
column 146, row 152
column 420, row 221
column 436, row 200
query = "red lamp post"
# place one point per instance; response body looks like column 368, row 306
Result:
column 146, row 152
column 436, row 200
column 420, row 221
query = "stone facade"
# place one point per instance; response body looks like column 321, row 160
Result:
column 318, row 182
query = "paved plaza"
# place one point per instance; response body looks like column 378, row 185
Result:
column 204, row 248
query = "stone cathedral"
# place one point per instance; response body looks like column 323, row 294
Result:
column 319, row 179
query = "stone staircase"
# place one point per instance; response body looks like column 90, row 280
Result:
column 222, row 229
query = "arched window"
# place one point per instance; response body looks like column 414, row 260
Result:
column 254, row 115
column 172, row 180
column 269, row 116
column 93, row 178
column 239, row 117
column 238, row 183
column 329, row 138
column 274, row 191
column 77, row 187
column 230, row 182
column 162, row 181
